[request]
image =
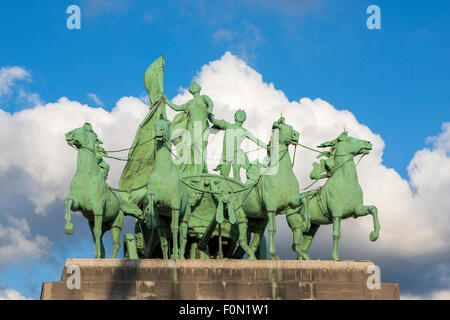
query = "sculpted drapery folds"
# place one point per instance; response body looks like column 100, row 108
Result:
column 192, row 128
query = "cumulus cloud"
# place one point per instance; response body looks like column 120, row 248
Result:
column 17, row 243
column 9, row 76
column 11, row 294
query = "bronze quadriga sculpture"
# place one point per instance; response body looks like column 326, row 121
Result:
column 183, row 211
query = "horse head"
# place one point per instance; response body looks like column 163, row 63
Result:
column 286, row 133
column 351, row 145
column 82, row 137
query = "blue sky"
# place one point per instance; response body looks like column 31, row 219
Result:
column 394, row 80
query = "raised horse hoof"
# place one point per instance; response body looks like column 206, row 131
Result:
column 373, row 236
column 69, row 228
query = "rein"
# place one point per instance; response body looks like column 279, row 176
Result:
column 121, row 150
column 334, row 171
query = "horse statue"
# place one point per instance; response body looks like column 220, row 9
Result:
column 340, row 198
column 275, row 190
column 90, row 194
column 167, row 195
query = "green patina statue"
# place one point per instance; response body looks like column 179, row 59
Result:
column 90, row 194
column 276, row 190
column 341, row 197
column 232, row 154
column 193, row 127
column 182, row 211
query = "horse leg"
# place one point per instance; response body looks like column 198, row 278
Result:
column 69, row 226
column 365, row 210
column 272, row 231
column 336, row 237
column 308, row 237
column 174, row 225
column 258, row 235
column 305, row 214
column 239, row 253
column 162, row 230
column 243, row 227
column 184, row 231
column 98, row 219
column 115, row 234
column 295, row 222
column 102, row 247
column 150, row 209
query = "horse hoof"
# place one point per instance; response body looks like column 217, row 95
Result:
column 303, row 256
column 373, row 236
column 69, row 229
column 274, row 257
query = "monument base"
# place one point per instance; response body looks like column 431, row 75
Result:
column 216, row 279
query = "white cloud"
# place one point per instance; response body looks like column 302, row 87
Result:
column 94, row 97
column 17, row 243
column 30, row 99
column 11, row 294
column 8, row 77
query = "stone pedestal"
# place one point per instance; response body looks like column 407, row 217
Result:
column 215, row 279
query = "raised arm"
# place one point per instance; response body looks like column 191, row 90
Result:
column 255, row 139
column 221, row 124
column 174, row 106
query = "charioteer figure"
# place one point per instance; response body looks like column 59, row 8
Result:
column 194, row 120
column 232, row 154
column 324, row 168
